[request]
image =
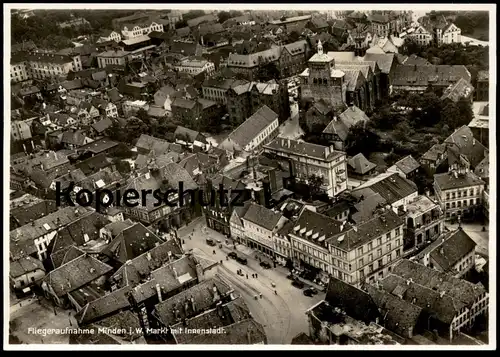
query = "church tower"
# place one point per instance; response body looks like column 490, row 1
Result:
column 324, row 81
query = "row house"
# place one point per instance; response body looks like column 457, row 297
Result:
column 131, row 31
column 109, row 35
column 308, row 159
column 424, row 222
column 34, row 239
column 261, row 224
column 433, row 158
column 454, row 253
column 296, row 23
column 105, row 108
column 449, row 304
column 459, row 192
column 421, row 36
column 39, row 65
column 216, row 90
column 195, row 67
column 114, row 57
column 244, row 99
column 354, row 254
column 289, row 60
column 255, row 132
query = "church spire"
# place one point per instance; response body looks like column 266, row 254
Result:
column 320, row 48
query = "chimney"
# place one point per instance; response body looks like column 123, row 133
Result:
column 175, row 272
column 249, row 338
column 441, row 294
column 148, row 256
column 327, row 152
column 288, row 143
column 193, row 304
column 441, row 250
column 216, row 294
column 355, row 228
column 473, row 142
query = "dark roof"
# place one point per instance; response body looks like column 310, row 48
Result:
column 75, row 274
column 94, row 163
column 151, row 143
column 407, row 164
column 355, row 302
column 221, row 316
column 262, row 216
column 462, row 142
column 25, row 214
column 303, row 148
column 454, row 248
column 99, row 146
column 391, row 186
column 422, row 76
column 413, row 60
column 202, row 294
column 102, row 125
column 352, row 237
column 316, row 227
column 185, row 48
column 76, row 137
column 186, row 134
column 302, row 339
column 108, row 304
column 360, row 164
column 202, row 19
column 400, row 316
column 448, row 181
column 443, row 308
column 23, row 266
column 384, row 61
column 460, row 89
column 460, row 290
column 131, row 243
column 251, row 127
column 245, row 332
column 65, row 255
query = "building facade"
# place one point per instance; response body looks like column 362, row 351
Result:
column 310, row 159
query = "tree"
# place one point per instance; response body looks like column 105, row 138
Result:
column 464, row 107
column 410, row 46
column 268, row 71
column 224, row 16
column 315, row 183
column 144, row 116
column 135, row 127
column 361, row 139
column 181, row 24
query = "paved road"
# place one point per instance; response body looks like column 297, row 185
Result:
column 282, row 314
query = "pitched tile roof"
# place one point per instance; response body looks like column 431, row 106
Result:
column 482, row 170
column 104, row 306
column 22, row 238
column 360, row 164
column 202, row 19
column 462, row 142
column 136, row 270
column 459, row 289
column 443, row 308
column 240, row 333
column 131, row 243
column 384, row 61
column 448, row 181
column 437, row 75
column 152, row 143
column 315, row 227
column 250, row 128
column 262, row 216
column 25, row 214
column 67, row 254
column 102, row 125
column 355, row 302
column 94, row 164
column 23, row 266
column 187, row 134
column 272, row 54
column 224, row 315
column 433, row 153
column 449, row 252
column 413, row 60
column 203, row 296
column 303, row 148
column 391, row 186
column 73, row 137
column 75, row 274
column 458, row 90
column 352, row 237
column 98, row 146
column 407, row 164
column 366, row 207
column 400, row 316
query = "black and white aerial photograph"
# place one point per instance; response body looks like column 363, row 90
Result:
column 269, row 176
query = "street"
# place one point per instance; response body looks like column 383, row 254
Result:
column 282, row 314
column 290, row 129
column 475, row 231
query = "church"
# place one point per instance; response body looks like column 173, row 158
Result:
column 334, row 81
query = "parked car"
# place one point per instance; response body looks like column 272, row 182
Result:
column 232, row 255
column 310, row 292
column 241, row 260
column 265, row 265
column 298, row 284
column 211, row 242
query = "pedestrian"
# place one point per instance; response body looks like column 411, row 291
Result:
column 256, row 275
column 247, row 276
column 221, row 262
column 214, row 252
column 275, row 292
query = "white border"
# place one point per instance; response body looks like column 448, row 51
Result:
column 414, row 7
